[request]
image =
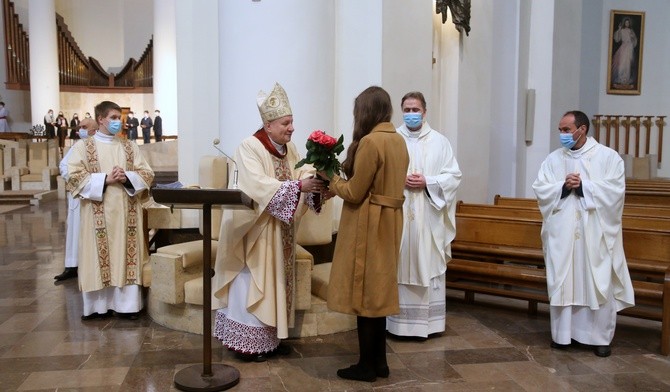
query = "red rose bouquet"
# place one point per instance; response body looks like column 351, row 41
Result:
column 322, row 152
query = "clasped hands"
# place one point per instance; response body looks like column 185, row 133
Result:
column 415, row 181
column 572, row 181
column 117, row 175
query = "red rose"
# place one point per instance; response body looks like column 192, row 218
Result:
column 322, row 152
column 320, row 137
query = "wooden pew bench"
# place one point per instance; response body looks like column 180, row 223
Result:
column 503, row 256
column 629, row 207
column 649, row 185
column 653, row 197
column 629, row 219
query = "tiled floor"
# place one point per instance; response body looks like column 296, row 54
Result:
column 44, row 346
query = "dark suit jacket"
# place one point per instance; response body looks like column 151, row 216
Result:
column 158, row 125
column 147, row 123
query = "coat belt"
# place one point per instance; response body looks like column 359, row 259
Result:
column 369, row 218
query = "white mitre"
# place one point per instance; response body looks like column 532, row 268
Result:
column 274, row 105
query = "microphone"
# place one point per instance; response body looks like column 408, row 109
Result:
column 216, row 142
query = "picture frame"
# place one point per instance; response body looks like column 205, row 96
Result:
column 624, row 64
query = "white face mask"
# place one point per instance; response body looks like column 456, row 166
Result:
column 157, row 114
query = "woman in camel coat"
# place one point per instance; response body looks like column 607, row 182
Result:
column 363, row 278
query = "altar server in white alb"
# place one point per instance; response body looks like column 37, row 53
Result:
column 110, row 175
column 580, row 190
column 87, row 127
column 429, row 224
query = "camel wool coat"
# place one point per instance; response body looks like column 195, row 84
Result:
column 364, row 274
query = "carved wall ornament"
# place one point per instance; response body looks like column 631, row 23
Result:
column 460, row 13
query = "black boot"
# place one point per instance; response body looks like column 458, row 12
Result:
column 69, row 272
column 364, row 370
column 379, row 355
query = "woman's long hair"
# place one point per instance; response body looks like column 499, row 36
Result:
column 371, row 107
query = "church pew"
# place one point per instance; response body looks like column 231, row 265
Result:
column 503, row 256
column 490, row 236
column 650, row 185
column 500, row 200
column 656, row 198
column 629, row 207
column 629, row 219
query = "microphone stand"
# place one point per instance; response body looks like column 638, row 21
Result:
column 215, row 144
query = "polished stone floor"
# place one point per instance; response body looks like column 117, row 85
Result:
column 492, row 346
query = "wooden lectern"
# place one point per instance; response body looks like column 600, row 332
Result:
column 206, row 377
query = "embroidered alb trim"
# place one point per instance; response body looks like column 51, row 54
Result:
column 244, row 338
column 422, row 312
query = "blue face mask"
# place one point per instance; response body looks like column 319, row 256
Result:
column 412, row 120
column 83, row 134
column 567, row 141
column 114, row 126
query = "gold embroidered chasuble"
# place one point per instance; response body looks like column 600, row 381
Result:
column 112, row 246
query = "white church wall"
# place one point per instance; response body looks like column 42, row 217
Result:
column 566, row 64
column 590, row 57
column 358, row 58
column 444, row 102
column 407, row 57
column 505, row 128
column 540, row 68
column 197, row 62
column 525, row 108
column 474, row 89
column 165, row 65
column 292, row 43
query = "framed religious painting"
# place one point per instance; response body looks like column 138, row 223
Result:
column 624, row 65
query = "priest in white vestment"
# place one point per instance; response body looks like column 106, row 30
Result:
column 109, row 175
column 429, row 225
column 253, row 284
column 87, row 128
column 580, row 191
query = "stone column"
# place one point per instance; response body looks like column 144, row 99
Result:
column 44, row 85
column 165, row 64
column 197, row 87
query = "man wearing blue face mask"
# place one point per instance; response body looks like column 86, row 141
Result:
column 580, row 191
column 109, row 175
column 429, row 213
